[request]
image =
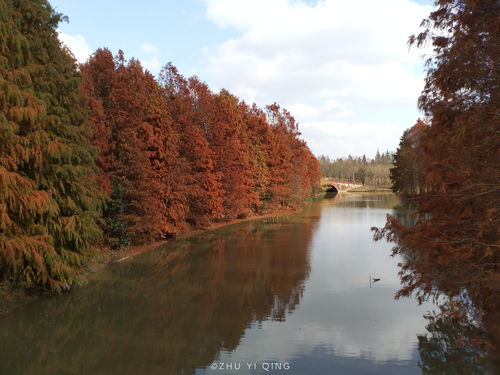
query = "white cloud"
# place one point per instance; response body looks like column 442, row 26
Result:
column 306, row 57
column 149, row 58
column 304, row 110
column 149, row 48
column 76, row 44
column 341, row 138
column 152, row 64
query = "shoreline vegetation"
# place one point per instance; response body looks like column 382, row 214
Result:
column 12, row 298
column 133, row 251
column 105, row 155
column 371, row 189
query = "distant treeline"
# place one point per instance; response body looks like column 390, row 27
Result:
column 103, row 153
column 359, row 169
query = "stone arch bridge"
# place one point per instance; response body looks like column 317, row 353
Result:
column 333, row 186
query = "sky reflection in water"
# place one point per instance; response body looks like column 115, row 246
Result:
column 342, row 325
column 288, row 290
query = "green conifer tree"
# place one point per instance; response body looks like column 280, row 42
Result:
column 49, row 198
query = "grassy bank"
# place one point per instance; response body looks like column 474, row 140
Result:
column 370, row 189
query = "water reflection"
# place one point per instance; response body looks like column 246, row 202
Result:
column 169, row 311
column 385, row 201
column 287, row 290
column 454, row 342
column 342, row 325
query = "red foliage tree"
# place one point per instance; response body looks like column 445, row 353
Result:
column 97, row 78
column 454, row 243
column 201, row 183
column 281, row 163
column 139, row 149
column 179, row 153
column 233, row 158
column 260, row 137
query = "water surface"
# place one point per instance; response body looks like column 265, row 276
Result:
column 288, row 295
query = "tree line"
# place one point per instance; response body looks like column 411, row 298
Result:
column 103, row 153
column 447, row 166
column 373, row 172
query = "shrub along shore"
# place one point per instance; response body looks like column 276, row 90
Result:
column 12, row 297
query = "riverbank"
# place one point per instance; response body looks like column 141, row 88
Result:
column 370, row 189
column 13, row 298
column 132, row 251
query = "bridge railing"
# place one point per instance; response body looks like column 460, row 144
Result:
column 342, row 182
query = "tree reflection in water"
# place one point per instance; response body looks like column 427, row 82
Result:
column 454, row 343
column 169, row 311
column 457, row 340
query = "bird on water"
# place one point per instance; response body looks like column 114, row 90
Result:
column 373, row 280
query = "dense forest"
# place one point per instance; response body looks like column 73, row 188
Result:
column 447, row 166
column 104, row 154
column 375, row 172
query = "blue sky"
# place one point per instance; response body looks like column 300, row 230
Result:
column 178, row 29
column 342, row 68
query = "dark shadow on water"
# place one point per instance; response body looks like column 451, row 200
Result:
column 330, row 194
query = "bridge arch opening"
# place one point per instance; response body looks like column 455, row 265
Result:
column 331, row 189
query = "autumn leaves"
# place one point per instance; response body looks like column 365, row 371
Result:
column 448, row 165
column 106, row 153
column 182, row 155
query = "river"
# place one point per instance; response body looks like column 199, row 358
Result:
column 286, row 295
